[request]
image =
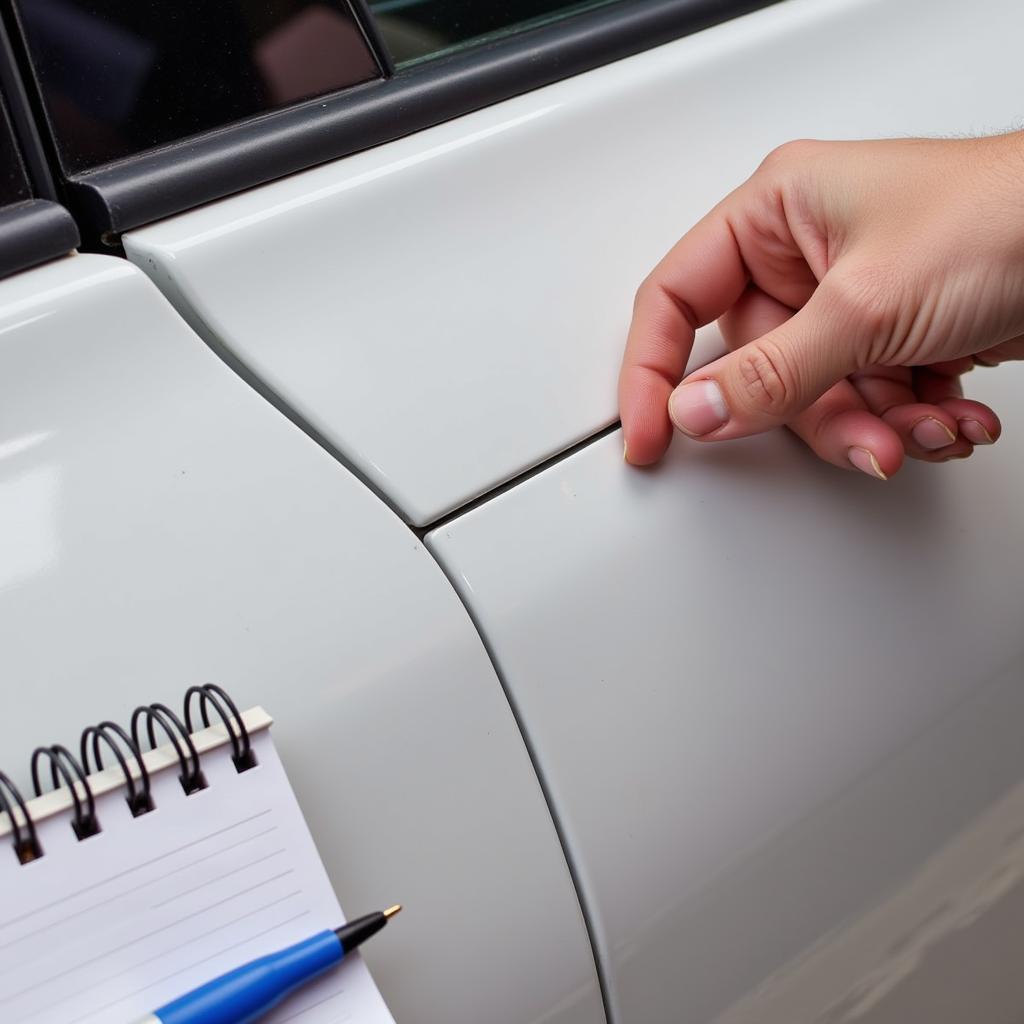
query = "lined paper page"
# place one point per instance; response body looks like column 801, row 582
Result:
column 109, row 928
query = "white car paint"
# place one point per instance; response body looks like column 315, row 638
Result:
column 449, row 309
column 768, row 697
column 161, row 525
column 776, row 707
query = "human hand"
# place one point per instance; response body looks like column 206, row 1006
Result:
column 855, row 282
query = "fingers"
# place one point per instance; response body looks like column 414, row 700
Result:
column 768, row 381
column 976, row 422
column 819, row 227
column 926, row 409
column 927, row 431
column 935, row 384
column 1007, row 351
column 694, row 284
column 838, row 427
column 954, row 367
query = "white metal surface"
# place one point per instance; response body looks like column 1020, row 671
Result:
column 768, row 698
column 449, row 309
column 161, row 525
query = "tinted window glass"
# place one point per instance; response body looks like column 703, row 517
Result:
column 120, row 76
column 13, row 184
column 414, row 29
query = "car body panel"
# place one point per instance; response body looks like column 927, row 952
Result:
column 162, row 526
column 764, row 693
column 448, row 310
column 774, row 707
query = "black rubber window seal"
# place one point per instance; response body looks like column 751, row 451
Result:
column 151, row 186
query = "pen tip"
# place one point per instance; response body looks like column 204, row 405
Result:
column 391, row 911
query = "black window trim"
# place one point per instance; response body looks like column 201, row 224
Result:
column 153, row 185
column 62, row 160
column 30, row 144
column 33, row 230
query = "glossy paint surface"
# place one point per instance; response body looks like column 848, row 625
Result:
column 161, row 525
column 778, row 710
column 450, row 309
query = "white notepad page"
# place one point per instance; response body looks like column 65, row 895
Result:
column 111, row 928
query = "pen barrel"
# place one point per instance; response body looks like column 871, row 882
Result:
column 243, row 995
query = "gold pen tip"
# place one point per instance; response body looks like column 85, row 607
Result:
column 391, row 911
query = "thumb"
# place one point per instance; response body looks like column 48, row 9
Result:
column 768, row 381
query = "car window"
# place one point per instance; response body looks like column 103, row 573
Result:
column 131, row 111
column 121, row 76
column 417, row 29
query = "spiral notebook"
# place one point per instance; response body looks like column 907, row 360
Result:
column 129, row 885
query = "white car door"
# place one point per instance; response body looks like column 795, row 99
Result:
column 161, row 525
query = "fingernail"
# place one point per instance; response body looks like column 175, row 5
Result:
column 931, row 433
column 698, row 408
column 975, row 432
column 862, row 459
column 625, row 452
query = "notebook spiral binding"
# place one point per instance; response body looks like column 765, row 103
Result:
column 126, row 747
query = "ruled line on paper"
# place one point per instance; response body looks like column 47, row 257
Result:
column 138, row 867
column 123, row 946
column 168, row 951
column 219, row 878
column 190, row 967
column 60, row 922
column 8, row 997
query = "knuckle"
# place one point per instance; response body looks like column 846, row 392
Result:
column 658, row 298
column 789, row 155
column 645, row 292
column 767, row 377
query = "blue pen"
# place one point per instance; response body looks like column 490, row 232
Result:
column 248, row 992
